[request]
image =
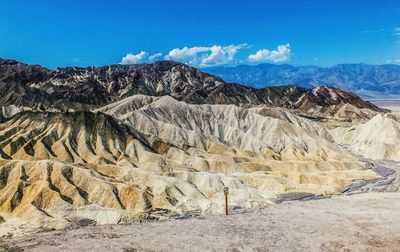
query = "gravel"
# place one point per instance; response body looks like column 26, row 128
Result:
column 362, row 222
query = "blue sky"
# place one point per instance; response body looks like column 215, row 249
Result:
column 202, row 33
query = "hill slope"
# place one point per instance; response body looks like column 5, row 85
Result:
column 126, row 160
column 378, row 138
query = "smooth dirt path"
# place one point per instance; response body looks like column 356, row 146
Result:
column 362, row 222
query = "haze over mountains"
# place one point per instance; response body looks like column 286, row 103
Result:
column 120, row 143
column 369, row 81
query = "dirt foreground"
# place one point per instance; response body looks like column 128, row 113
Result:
column 363, row 222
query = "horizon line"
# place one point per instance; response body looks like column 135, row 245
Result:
column 218, row 66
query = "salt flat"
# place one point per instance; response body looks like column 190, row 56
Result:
column 388, row 104
column 362, row 222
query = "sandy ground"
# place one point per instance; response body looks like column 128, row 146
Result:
column 362, row 222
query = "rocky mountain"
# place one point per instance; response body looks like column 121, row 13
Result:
column 80, row 88
column 75, row 88
column 362, row 79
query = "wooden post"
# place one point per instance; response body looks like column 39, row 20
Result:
column 226, row 191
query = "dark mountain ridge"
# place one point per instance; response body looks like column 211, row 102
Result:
column 83, row 88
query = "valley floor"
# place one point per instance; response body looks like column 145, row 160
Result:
column 388, row 104
column 361, row 222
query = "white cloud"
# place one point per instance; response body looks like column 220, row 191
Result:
column 281, row 54
column 186, row 54
column 206, row 56
column 155, row 57
column 203, row 56
column 391, row 61
column 134, row 58
column 142, row 57
column 396, row 31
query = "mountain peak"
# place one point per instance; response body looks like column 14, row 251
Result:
column 8, row 62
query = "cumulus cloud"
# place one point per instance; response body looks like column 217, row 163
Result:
column 131, row 58
column 155, row 57
column 281, row 54
column 207, row 56
column 141, row 57
column 204, row 56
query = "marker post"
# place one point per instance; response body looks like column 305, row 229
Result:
column 226, row 191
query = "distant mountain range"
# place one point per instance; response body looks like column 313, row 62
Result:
column 369, row 81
